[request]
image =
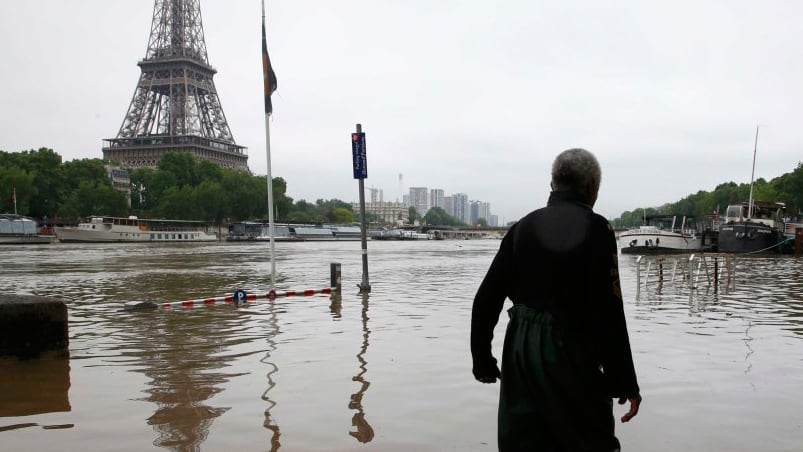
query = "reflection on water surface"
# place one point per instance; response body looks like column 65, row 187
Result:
column 390, row 371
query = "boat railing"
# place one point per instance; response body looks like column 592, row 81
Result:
column 716, row 270
column 790, row 228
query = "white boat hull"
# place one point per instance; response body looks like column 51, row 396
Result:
column 658, row 241
column 106, row 233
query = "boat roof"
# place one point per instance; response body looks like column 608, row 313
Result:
column 769, row 204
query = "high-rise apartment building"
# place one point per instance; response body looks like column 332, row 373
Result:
column 461, row 207
column 419, row 199
column 436, row 198
column 484, row 211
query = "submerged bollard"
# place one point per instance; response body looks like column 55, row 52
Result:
column 716, row 274
column 638, row 276
column 334, row 276
column 30, row 325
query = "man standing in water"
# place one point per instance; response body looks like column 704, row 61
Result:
column 566, row 353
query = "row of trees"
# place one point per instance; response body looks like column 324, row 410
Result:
column 182, row 187
column 787, row 188
column 36, row 183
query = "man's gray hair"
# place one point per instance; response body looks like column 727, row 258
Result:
column 574, row 169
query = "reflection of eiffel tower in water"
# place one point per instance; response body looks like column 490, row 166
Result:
column 175, row 106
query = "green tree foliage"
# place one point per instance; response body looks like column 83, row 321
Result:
column 140, row 197
column 790, row 187
column 343, row 215
column 282, row 202
column 412, row 215
column 327, row 211
column 14, row 179
column 211, row 201
column 50, row 188
column 94, row 198
column 436, row 216
column 181, row 187
column 323, row 211
column 787, row 188
column 44, row 165
column 182, row 166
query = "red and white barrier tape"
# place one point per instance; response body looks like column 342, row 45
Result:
column 230, row 298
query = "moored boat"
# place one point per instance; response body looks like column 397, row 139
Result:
column 756, row 227
column 399, row 234
column 256, row 231
column 17, row 229
column 132, row 229
column 259, row 231
column 662, row 234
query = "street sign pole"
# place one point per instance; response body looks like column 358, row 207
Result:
column 359, row 159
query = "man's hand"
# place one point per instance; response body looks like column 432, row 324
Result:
column 486, row 372
column 635, row 402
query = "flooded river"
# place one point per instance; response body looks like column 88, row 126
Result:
column 720, row 371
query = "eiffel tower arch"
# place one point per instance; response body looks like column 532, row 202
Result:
column 175, row 105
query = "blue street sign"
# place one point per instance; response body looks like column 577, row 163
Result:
column 239, row 297
column 358, row 155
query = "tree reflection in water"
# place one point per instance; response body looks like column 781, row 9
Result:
column 364, row 433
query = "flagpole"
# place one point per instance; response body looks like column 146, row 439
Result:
column 270, row 207
column 266, row 69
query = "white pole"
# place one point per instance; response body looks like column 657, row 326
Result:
column 270, row 206
column 752, row 176
column 270, row 186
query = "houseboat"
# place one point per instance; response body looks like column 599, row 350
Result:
column 258, row 231
column 17, row 229
column 398, row 234
column 756, row 227
column 132, row 229
column 662, row 234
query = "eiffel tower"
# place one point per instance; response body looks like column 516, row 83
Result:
column 175, row 106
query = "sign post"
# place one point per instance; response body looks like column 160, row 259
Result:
column 360, row 162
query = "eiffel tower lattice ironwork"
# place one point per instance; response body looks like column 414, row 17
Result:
column 175, row 106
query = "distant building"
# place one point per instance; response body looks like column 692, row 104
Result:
column 493, row 221
column 436, row 198
column 419, row 199
column 385, row 212
column 448, row 205
column 375, row 194
column 461, row 207
column 121, row 180
column 484, row 211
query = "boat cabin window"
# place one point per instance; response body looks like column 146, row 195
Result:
column 736, row 212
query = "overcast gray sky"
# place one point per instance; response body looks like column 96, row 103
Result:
column 464, row 95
